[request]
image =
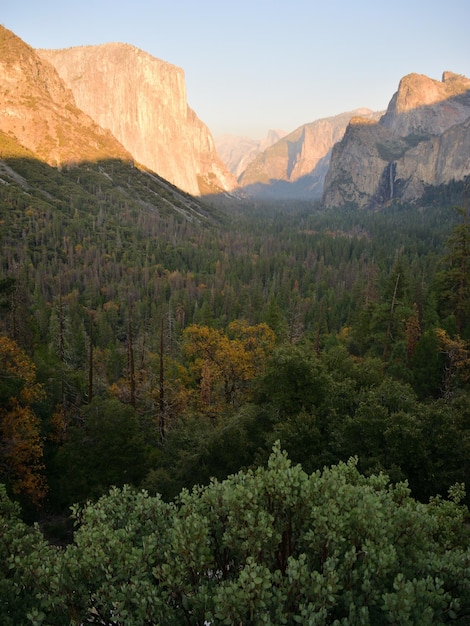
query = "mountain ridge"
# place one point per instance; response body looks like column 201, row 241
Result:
column 238, row 152
column 40, row 112
column 89, row 103
column 142, row 101
column 296, row 165
column 423, row 139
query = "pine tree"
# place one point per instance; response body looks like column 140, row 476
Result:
column 454, row 279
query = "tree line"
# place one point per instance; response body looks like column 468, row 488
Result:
column 141, row 349
column 168, row 335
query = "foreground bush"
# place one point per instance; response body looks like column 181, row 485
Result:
column 274, row 546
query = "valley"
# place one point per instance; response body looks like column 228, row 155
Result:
column 198, row 370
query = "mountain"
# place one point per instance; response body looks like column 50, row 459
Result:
column 422, row 140
column 114, row 101
column 238, row 152
column 296, row 165
column 39, row 112
column 141, row 100
column 55, row 158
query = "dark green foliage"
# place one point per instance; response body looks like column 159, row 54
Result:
column 347, row 407
column 273, row 546
column 29, row 572
column 7, row 286
column 295, row 380
column 101, row 260
column 103, row 268
column 427, row 366
column 104, row 447
column 454, row 278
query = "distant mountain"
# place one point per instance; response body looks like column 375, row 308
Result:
column 39, row 112
column 296, row 165
column 422, row 140
column 238, row 152
column 115, row 101
column 142, row 101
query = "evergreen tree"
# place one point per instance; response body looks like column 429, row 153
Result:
column 454, row 279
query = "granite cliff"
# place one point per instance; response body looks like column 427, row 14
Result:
column 296, row 165
column 39, row 113
column 141, row 100
column 116, row 101
column 422, row 140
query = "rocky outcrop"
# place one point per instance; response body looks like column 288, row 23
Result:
column 141, row 100
column 39, row 112
column 296, row 165
column 425, row 107
column 423, row 139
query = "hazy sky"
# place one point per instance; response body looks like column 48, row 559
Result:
column 253, row 65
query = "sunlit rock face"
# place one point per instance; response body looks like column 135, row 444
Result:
column 142, row 101
column 39, row 112
column 423, row 139
column 426, row 106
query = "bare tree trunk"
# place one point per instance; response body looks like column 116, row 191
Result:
column 390, row 320
column 130, row 357
column 90, row 365
column 162, row 388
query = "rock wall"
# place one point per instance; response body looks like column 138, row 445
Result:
column 142, row 101
column 40, row 112
column 423, row 139
column 238, row 152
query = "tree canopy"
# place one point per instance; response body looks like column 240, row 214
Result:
column 270, row 546
column 152, row 351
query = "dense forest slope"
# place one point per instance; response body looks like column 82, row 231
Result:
column 150, row 343
column 126, row 299
column 158, row 353
column 144, row 311
column 146, row 349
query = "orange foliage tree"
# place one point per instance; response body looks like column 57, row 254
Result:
column 224, row 363
column 21, row 444
column 457, row 352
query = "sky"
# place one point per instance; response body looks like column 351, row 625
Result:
column 255, row 65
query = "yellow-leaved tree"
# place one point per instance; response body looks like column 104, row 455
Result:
column 21, row 444
column 224, row 362
column 457, row 367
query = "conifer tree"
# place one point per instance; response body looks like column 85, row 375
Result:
column 455, row 277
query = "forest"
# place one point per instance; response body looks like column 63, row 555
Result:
column 238, row 365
